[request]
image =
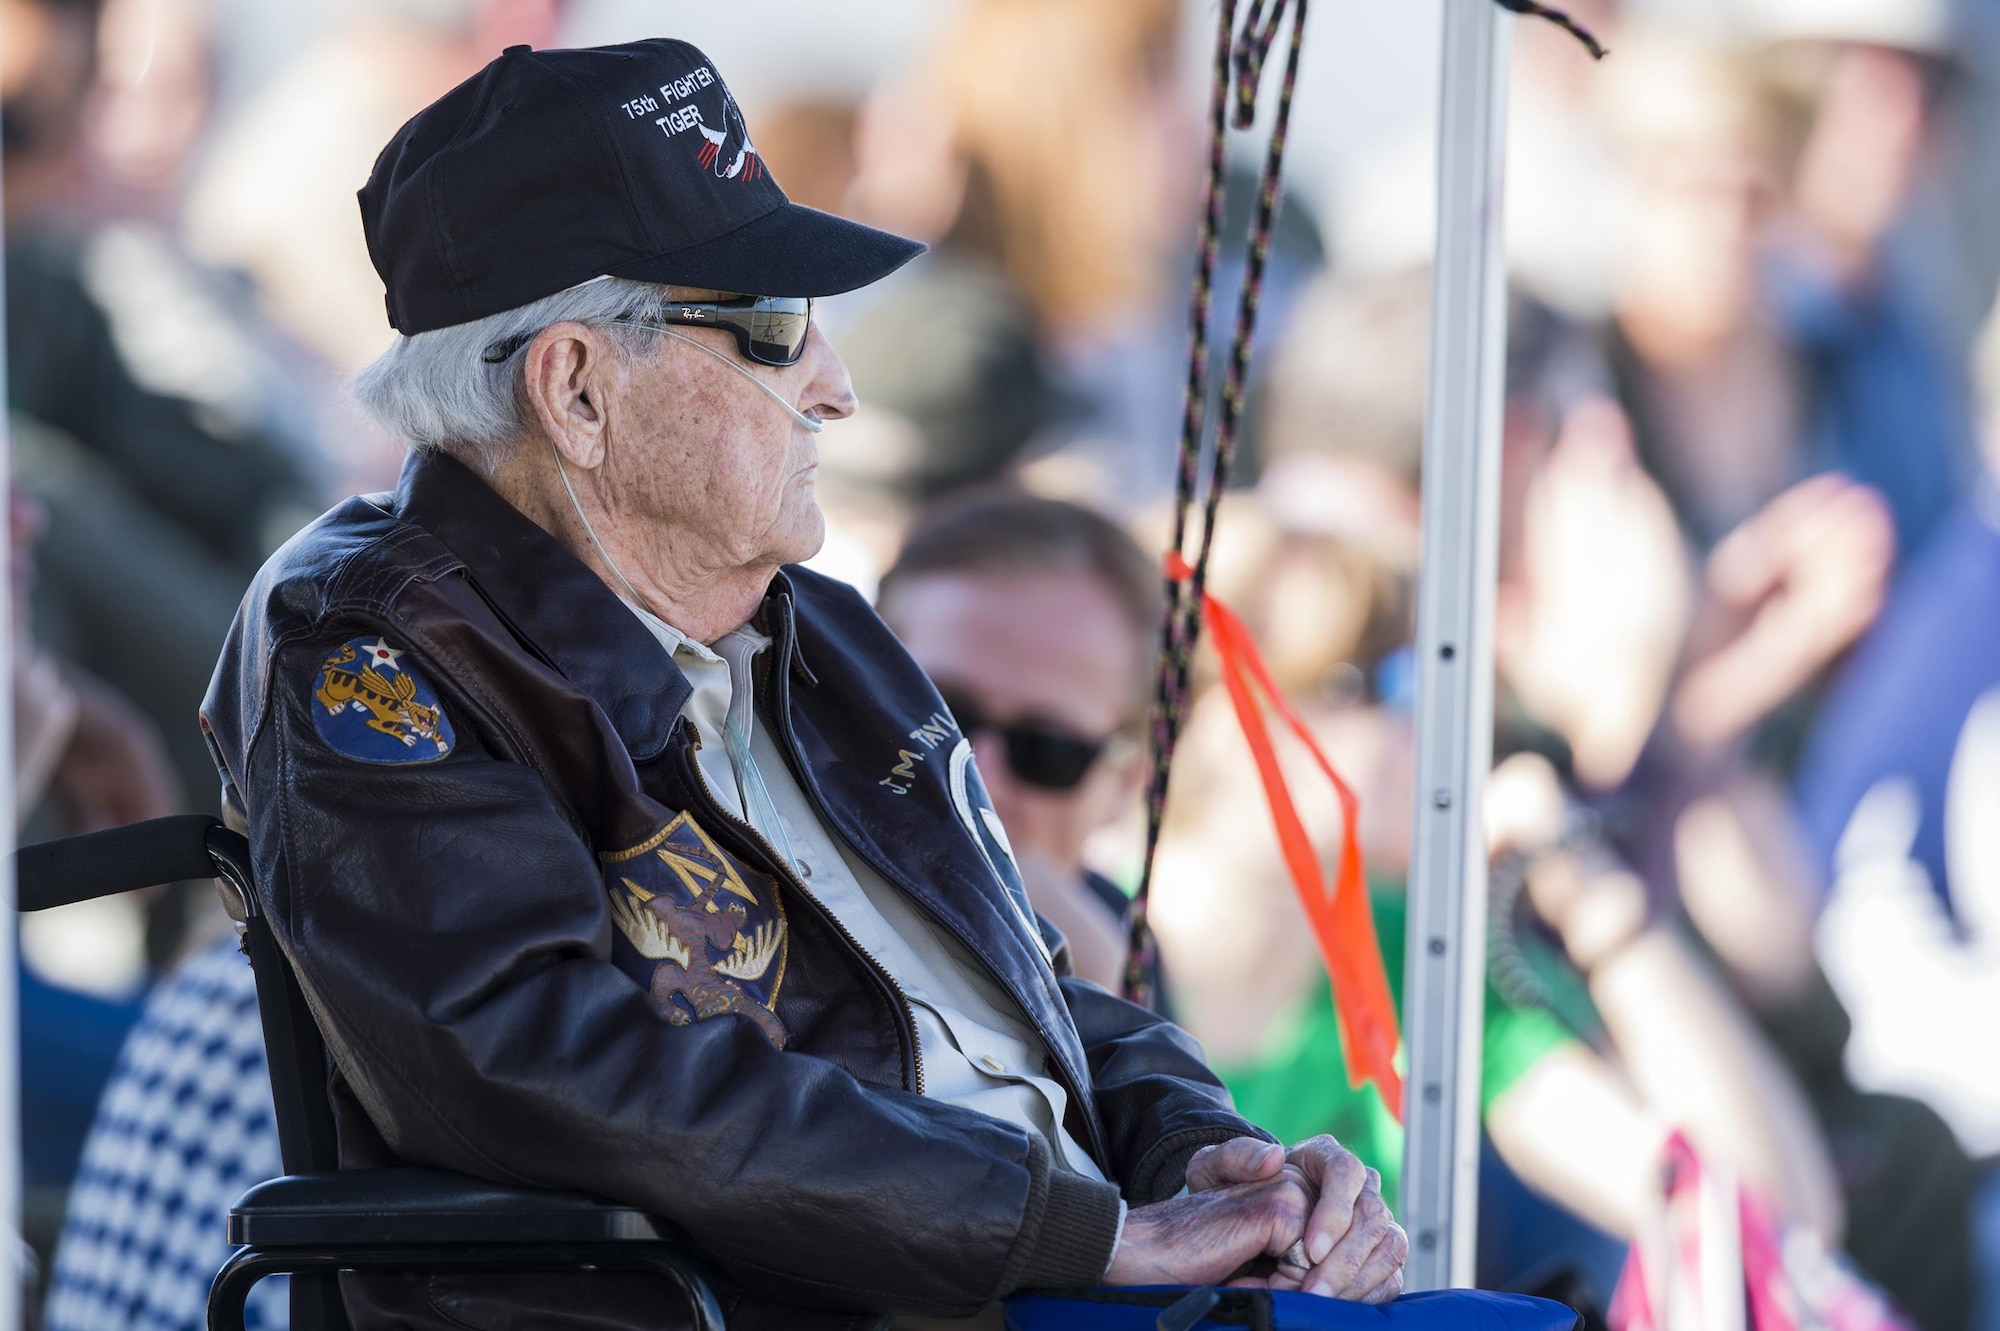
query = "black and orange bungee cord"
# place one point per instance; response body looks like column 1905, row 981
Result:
column 1341, row 919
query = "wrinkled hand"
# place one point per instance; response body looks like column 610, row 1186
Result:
column 1355, row 1247
column 1220, row 1235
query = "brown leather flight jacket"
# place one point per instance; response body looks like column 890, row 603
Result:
column 542, row 953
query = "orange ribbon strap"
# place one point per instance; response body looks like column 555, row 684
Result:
column 1342, row 921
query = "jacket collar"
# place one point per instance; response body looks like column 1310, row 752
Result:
column 551, row 600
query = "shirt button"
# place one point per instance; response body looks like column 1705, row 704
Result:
column 805, row 869
column 992, row 1064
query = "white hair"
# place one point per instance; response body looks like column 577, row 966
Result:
column 436, row 390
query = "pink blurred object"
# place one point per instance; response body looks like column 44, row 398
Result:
column 1718, row 1258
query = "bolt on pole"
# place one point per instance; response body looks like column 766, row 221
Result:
column 1446, row 964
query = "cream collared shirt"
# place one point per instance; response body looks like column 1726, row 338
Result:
column 976, row 1045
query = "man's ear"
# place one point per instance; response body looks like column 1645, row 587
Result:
column 569, row 372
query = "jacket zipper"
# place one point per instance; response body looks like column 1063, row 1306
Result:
column 792, row 879
column 788, row 745
column 776, row 704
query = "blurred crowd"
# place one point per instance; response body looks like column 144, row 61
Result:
column 1745, row 818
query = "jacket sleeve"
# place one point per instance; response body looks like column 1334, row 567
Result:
column 450, row 927
column 1157, row 1099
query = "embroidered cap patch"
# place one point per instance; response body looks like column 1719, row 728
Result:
column 373, row 706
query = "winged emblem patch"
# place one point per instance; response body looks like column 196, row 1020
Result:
column 373, row 706
column 705, row 934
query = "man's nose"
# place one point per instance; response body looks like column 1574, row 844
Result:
column 829, row 392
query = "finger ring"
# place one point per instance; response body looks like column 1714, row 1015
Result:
column 1295, row 1256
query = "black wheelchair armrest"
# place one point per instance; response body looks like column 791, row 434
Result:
column 315, row 1225
column 374, row 1206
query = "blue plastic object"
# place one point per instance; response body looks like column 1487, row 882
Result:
column 1170, row 1308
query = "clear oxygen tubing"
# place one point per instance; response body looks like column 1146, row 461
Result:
column 807, row 422
column 751, row 790
column 804, row 421
column 590, row 531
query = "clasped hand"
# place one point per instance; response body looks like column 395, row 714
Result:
column 1252, row 1209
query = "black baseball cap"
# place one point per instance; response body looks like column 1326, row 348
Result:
column 549, row 168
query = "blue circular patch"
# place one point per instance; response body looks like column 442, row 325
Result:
column 370, row 704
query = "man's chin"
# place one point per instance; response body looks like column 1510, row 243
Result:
column 809, row 538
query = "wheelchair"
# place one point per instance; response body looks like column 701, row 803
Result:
column 318, row 1220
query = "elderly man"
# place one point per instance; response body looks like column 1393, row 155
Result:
column 616, row 854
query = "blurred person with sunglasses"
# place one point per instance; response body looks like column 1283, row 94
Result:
column 618, row 852
column 1036, row 619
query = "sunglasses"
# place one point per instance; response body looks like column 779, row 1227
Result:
column 770, row 330
column 1048, row 759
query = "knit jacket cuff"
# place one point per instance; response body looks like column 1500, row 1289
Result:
column 1163, row 1171
column 1071, row 1243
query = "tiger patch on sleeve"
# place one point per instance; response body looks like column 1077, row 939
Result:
column 374, row 707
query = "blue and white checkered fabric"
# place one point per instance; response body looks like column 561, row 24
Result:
column 184, row 1127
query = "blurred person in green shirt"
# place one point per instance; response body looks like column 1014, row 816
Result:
column 1302, row 1079
column 1578, row 1104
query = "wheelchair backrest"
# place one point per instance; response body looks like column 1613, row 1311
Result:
column 182, row 848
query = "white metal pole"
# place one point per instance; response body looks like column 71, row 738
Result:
column 13, row 1261
column 1445, row 974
